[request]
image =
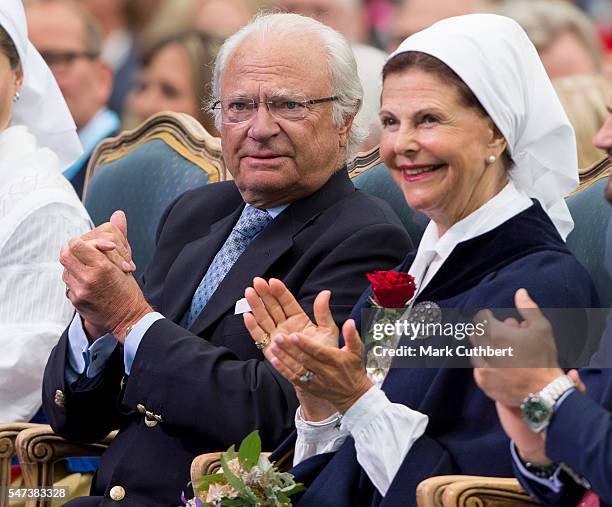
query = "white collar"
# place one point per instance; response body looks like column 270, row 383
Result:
column 433, row 250
column 274, row 211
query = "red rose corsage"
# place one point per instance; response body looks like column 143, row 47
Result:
column 391, row 289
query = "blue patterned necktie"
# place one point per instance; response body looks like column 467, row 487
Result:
column 251, row 222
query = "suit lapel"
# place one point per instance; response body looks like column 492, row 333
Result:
column 260, row 255
column 263, row 251
column 191, row 264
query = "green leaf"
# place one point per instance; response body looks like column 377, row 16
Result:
column 250, row 449
column 235, row 482
column 204, row 483
column 238, row 502
column 297, row 488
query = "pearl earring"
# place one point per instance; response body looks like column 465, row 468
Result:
column 491, row 159
column 16, row 97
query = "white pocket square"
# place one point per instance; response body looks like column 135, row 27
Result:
column 242, row 306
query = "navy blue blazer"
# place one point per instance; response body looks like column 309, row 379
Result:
column 580, row 434
column 210, row 383
column 463, row 435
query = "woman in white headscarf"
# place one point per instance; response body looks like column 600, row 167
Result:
column 476, row 138
column 39, row 212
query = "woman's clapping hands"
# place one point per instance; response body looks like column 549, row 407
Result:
column 327, row 378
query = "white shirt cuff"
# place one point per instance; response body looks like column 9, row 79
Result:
column 78, row 345
column 366, row 408
column 133, row 339
column 384, row 433
column 85, row 358
column 317, row 437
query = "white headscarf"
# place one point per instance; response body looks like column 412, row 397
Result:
column 497, row 61
column 41, row 107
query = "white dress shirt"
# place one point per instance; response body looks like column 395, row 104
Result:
column 383, row 431
column 39, row 213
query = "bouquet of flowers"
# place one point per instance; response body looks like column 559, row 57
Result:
column 246, row 479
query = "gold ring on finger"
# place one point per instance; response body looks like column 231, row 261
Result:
column 264, row 342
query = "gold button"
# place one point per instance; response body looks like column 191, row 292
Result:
column 59, row 399
column 117, row 493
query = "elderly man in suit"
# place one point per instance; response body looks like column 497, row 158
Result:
column 170, row 362
column 561, row 437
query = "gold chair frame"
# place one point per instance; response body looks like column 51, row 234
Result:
column 180, row 131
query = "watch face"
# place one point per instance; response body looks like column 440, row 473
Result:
column 536, row 413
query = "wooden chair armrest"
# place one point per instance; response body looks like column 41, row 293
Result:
column 429, row 492
column 8, row 434
column 39, row 448
column 485, row 491
column 206, row 464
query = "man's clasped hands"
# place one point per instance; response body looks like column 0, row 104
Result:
column 98, row 273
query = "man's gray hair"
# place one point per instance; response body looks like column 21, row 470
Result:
column 342, row 67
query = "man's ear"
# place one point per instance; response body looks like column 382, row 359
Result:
column 104, row 81
column 343, row 132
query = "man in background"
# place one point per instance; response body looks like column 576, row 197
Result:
column 68, row 38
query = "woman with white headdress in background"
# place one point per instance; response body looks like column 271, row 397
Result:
column 476, row 138
column 39, row 212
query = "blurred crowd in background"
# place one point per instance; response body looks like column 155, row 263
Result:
column 138, row 57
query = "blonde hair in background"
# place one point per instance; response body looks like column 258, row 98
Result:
column 584, row 99
column 544, row 20
column 171, row 17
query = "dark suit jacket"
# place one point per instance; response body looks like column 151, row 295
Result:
column 463, row 435
column 210, row 384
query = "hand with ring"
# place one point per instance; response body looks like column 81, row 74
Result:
column 306, row 377
column 275, row 311
column 322, row 371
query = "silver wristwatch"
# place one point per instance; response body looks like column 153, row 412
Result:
column 538, row 407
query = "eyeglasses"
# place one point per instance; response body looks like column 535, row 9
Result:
column 62, row 59
column 241, row 109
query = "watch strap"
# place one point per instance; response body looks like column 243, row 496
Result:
column 558, row 387
column 541, row 471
